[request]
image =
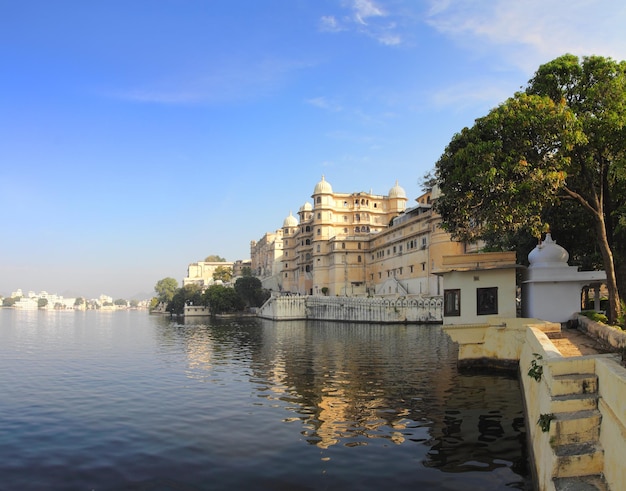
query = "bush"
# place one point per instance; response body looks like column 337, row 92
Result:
column 595, row 316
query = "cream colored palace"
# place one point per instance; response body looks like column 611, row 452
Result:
column 356, row 244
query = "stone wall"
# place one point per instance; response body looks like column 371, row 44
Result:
column 421, row 310
column 609, row 337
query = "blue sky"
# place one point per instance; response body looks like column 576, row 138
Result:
column 138, row 136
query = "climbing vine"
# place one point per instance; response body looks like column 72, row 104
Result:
column 544, row 421
column 536, row 370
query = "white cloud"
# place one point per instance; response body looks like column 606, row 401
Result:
column 225, row 82
column 324, row 103
column 481, row 93
column 364, row 9
column 329, row 23
column 534, row 31
column 365, row 17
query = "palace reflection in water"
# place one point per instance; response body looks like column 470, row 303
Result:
column 351, row 384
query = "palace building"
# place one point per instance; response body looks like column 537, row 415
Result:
column 356, row 244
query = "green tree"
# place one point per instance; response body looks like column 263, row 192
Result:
column 251, row 292
column 223, row 273
column 134, row 303
column 562, row 140
column 10, row 301
column 188, row 295
column 165, row 289
column 120, row 302
column 214, row 258
column 42, row 302
column 79, row 301
column 221, row 299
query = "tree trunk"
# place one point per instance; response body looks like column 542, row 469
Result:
column 619, row 250
column 609, row 268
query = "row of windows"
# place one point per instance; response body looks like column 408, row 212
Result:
column 412, row 244
column 357, row 202
column 397, row 271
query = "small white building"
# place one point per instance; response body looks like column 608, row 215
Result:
column 478, row 287
column 551, row 289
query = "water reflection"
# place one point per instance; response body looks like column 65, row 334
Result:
column 358, row 385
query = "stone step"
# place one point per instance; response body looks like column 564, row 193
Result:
column 575, row 383
column 574, row 402
column 577, row 427
column 578, row 460
column 581, row 483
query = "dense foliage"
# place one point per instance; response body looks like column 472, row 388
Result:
column 247, row 292
column 223, row 273
column 251, row 291
column 221, row 299
column 165, row 289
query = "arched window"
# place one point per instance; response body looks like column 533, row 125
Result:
column 318, row 199
column 357, row 230
column 358, row 259
column 343, row 245
column 308, row 242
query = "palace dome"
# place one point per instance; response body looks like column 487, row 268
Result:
column 306, row 207
column 548, row 254
column 397, row 192
column 290, row 221
column 323, row 187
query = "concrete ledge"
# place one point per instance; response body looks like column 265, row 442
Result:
column 611, row 338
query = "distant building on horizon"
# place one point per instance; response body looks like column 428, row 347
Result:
column 201, row 272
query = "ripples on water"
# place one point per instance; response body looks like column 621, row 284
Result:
column 124, row 400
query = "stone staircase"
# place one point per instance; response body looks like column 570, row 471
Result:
column 578, row 457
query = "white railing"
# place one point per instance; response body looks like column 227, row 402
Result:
column 354, row 309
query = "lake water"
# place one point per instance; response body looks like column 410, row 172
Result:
column 128, row 401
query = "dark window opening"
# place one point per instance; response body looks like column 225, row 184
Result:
column 486, row 301
column 452, row 303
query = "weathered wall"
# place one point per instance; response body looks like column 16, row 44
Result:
column 609, row 337
column 612, row 405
